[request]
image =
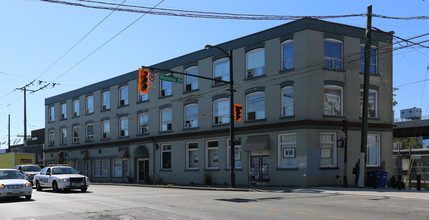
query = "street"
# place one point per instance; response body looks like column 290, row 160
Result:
column 111, row 202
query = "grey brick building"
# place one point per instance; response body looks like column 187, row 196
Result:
column 297, row 82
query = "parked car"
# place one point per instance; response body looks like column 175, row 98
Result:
column 29, row 170
column 60, row 178
column 13, row 184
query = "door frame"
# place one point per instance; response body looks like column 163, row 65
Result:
column 146, row 169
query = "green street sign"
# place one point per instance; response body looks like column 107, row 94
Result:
column 170, row 78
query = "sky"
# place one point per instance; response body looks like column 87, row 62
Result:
column 35, row 34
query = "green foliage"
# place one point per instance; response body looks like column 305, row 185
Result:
column 413, row 142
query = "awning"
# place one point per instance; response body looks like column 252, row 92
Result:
column 257, row 142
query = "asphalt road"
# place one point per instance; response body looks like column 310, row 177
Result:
column 110, row 202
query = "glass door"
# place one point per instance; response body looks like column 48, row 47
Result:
column 260, row 169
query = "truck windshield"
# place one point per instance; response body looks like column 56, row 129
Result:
column 31, row 168
column 64, row 170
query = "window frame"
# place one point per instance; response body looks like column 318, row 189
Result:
column 105, row 102
column 51, row 113
column 341, row 100
column 238, row 154
column 166, row 91
column 334, row 149
column 162, row 119
column 206, row 150
column 89, row 137
column 248, row 106
column 122, row 129
column 51, row 137
column 226, row 116
column 63, row 108
column 123, row 91
column 332, row 59
column 63, row 136
column 76, row 104
column 90, row 105
column 221, row 77
column 286, row 145
column 376, row 102
column 75, row 138
column 248, row 71
column 140, row 128
column 188, row 155
column 163, row 152
column 362, row 59
column 191, row 78
column 283, row 58
column 283, row 110
column 115, row 165
column 185, row 116
column 378, row 143
column 105, row 134
column 101, row 168
column 142, row 97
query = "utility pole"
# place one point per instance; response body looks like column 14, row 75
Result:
column 364, row 133
column 8, row 133
column 345, row 129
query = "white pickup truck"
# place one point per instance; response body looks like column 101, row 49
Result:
column 60, row 178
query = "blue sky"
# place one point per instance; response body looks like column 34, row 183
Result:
column 34, row 34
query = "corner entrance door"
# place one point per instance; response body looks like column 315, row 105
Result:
column 260, row 168
column 142, row 170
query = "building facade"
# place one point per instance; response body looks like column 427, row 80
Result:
column 297, row 84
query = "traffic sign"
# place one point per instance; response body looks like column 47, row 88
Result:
column 170, row 78
column 152, row 80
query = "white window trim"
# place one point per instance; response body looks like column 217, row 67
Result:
column 51, row 137
column 105, row 106
column 279, row 149
column 51, row 112
column 247, row 106
column 140, row 97
column 103, row 131
column 214, row 74
column 186, row 71
column 334, row 149
column 75, row 139
column 376, row 58
column 89, row 110
column 63, row 138
column 140, row 127
column 162, row 89
column 378, row 148
column 188, row 150
column 282, row 54
column 101, row 168
column 162, row 156
column 376, row 102
column 125, row 100
column 247, row 62
column 87, row 135
column 114, row 174
column 161, row 119
column 76, row 111
column 342, row 98
column 63, row 107
column 228, row 153
column 185, row 116
column 206, row 154
column 214, row 110
column 121, row 129
column 334, row 58
column 282, row 112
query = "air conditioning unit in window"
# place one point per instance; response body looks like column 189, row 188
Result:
column 251, row 116
column 250, row 73
column 218, row 120
column 104, row 107
column 74, row 114
column 169, row 127
column 122, row 133
column 143, row 130
column 162, row 92
column 187, row 124
column 188, row 87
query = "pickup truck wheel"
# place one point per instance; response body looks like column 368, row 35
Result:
column 55, row 186
column 38, row 187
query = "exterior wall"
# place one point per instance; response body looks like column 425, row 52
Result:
column 308, row 77
column 7, row 161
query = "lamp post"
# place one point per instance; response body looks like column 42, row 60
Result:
column 231, row 111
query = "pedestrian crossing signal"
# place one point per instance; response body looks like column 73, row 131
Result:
column 237, row 112
column 143, row 80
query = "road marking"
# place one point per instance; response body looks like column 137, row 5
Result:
column 249, row 206
column 207, row 201
column 304, row 213
column 273, row 209
column 338, row 217
column 225, row 203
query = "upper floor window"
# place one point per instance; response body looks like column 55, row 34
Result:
column 255, row 106
column 166, row 88
column 90, row 132
column 75, row 134
column 333, row 54
column 255, row 63
column 63, row 111
column 166, row 120
column 191, row 83
column 123, row 96
column 333, row 104
column 51, row 138
column 141, row 97
column 90, row 104
column 373, row 150
column 372, row 103
column 75, row 108
column 105, row 96
column 51, row 112
column 123, row 127
column 63, row 135
column 328, row 149
column 192, row 155
column 191, row 116
column 106, row 129
column 287, row 101
column 287, row 55
column 373, row 60
column 287, row 151
column 221, row 111
column 212, row 155
column 221, row 70
column 143, row 123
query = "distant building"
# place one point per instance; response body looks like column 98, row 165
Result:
column 297, row 82
column 34, row 145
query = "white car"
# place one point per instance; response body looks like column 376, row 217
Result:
column 13, row 184
column 29, row 170
column 60, row 178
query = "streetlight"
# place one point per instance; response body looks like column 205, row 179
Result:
column 231, row 111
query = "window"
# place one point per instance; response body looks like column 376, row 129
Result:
column 191, row 116
column 51, row 138
column 90, row 132
column 123, row 123
column 373, row 151
column 191, row 83
column 212, row 155
column 287, row 151
column 328, row 149
column 166, row 156
column 142, row 97
column 237, row 155
column 106, row 129
column 372, row 103
column 166, row 120
column 76, row 134
column 255, row 63
column 287, row 55
column 117, row 168
column 221, row 71
column 333, row 100
column 287, row 101
column 166, row 88
column 63, row 135
column 333, row 54
column 373, row 60
column 123, row 96
column 255, row 106
column 105, row 96
column 90, row 104
column 101, row 168
column 221, row 111
column 143, row 123
column 75, row 108
column 51, row 111
column 63, row 111
column 192, row 155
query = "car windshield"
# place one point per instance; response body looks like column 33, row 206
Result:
column 31, row 168
column 64, row 170
column 10, row 174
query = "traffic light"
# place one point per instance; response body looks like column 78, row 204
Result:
column 143, row 80
column 237, row 112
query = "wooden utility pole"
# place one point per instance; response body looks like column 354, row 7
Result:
column 364, row 133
